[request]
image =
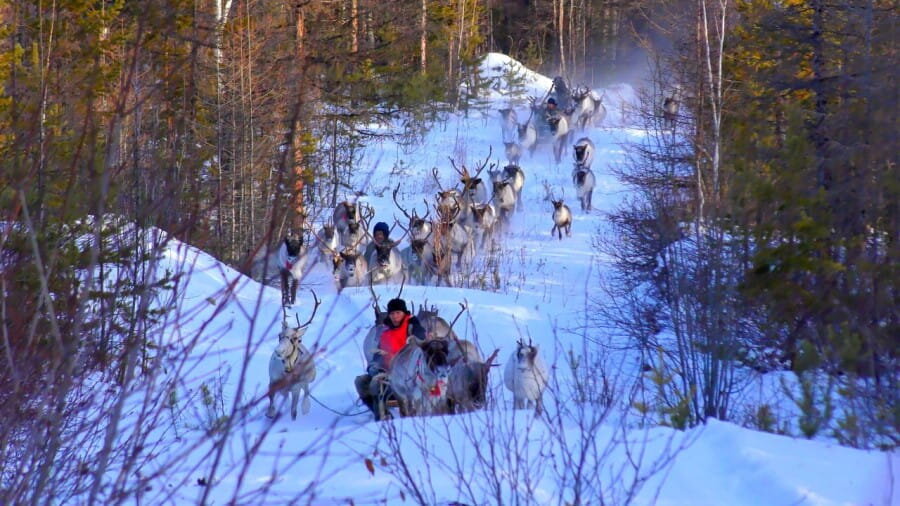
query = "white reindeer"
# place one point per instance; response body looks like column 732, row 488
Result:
column 559, row 127
column 599, row 110
column 528, row 137
column 291, row 368
column 526, row 376
column 584, row 181
column 509, row 121
column 562, row 219
column 513, row 152
column 583, row 152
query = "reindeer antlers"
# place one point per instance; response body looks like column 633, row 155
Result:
column 464, row 173
column 315, row 309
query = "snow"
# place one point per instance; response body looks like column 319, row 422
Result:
column 228, row 325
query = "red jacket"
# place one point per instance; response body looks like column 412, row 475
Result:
column 393, row 339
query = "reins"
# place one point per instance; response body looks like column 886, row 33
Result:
column 320, row 403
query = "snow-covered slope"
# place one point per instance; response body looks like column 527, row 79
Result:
column 541, row 292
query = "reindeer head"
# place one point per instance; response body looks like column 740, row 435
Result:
column 510, row 171
column 328, row 231
column 350, row 210
column 293, row 242
column 350, row 256
column 499, row 186
column 580, row 152
column 526, row 354
column 557, row 204
column 383, row 253
column 289, row 339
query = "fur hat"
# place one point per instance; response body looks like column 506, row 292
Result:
column 383, row 227
column 397, row 305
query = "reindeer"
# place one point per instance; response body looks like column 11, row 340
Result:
column 509, row 121
column 526, row 376
column 513, row 152
column 528, row 137
column 345, row 212
column 485, row 217
column 670, row 109
column 418, row 377
column 436, row 327
column 559, row 127
column 584, row 181
column 583, row 152
column 292, row 256
column 385, row 263
column 327, row 241
column 291, row 368
column 516, row 178
column 350, row 268
column 452, row 236
column 468, row 384
column 599, row 110
column 583, row 111
column 474, row 191
column 562, row 218
column 504, row 200
column 419, row 227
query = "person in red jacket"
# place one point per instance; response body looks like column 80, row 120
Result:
column 398, row 326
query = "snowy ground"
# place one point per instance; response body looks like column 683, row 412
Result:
column 322, row 456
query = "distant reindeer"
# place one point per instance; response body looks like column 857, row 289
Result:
column 356, row 236
column 583, row 152
column 526, row 376
column 385, row 265
column 350, row 268
column 513, row 152
column 345, row 212
column 599, row 110
column 559, row 127
column 473, row 191
column 486, row 222
column 516, row 177
column 562, row 219
column 327, row 242
column 584, row 181
column 509, row 122
column 528, row 137
column 504, row 200
column 292, row 256
column 670, row 108
column 419, row 227
column 583, row 112
column 419, row 262
column 291, row 368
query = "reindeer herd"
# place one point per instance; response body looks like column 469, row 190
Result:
column 444, row 374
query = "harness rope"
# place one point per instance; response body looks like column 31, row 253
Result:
column 320, row 403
